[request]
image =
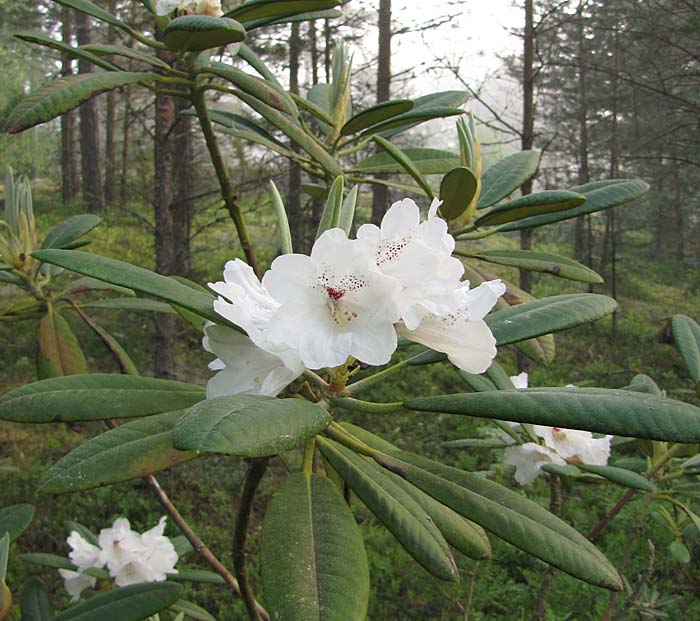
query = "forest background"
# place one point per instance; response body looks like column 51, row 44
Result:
column 604, row 89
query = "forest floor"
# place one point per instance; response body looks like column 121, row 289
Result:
column 649, row 293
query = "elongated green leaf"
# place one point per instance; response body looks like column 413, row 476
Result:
column 290, row 19
column 319, row 113
column 130, row 603
column 457, row 190
column 267, row 92
column 478, row 383
column 476, row 443
column 104, row 49
column 196, row 33
column 546, row 262
column 242, row 124
column 497, row 374
column 4, row 557
column 621, row 476
column 331, row 212
column 277, row 9
column 506, row 176
column 500, row 511
column 409, row 119
column 59, row 96
column 404, row 161
column 548, row 315
column 531, row 205
column 96, row 396
column 290, row 128
column 131, row 304
column 347, row 210
column 68, row 50
column 643, row 383
column 444, row 99
column 283, row 233
column 376, row 114
column 128, row 452
column 314, row 564
column 59, row 350
column 34, row 601
column 686, row 333
column 397, row 509
column 136, row 278
column 599, row 195
column 15, row 519
column 248, row 426
column 69, row 230
column 48, row 560
column 563, row 470
column 427, row 161
column 617, row 412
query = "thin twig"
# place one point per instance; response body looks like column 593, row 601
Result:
column 256, row 470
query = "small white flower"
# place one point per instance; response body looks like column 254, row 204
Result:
column 333, row 304
column 528, row 460
column 520, row 380
column 576, row 446
column 84, row 556
column 132, row 558
column 76, row 582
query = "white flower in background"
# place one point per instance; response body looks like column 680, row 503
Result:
column 418, row 255
column 132, row 558
column 528, row 460
column 84, row 556
column 561, row 446
column 333, row 304
column 520, row 380
column 189, row 7
column 462, row 335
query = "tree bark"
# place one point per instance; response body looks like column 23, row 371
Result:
column 583, row 169
column 380, row 193
column 89, row 130
column 184, row 189
column 296, row 219
column 69, row 173
column 163, row 154
column 110, row 146
column 313, row 48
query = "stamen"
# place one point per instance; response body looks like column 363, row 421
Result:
column 335, row 294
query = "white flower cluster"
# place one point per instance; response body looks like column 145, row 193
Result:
column 130, row 557
column 350, row 297
column 561, row 446
column 189, row 7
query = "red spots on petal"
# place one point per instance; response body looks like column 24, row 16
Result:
column 335, row 294
column 556, row 429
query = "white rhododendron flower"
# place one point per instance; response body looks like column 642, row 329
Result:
column 334, row 303
column 528, row 459
column 520, row 380
column 418, row 255
column 349, row 298
column 132, row 558
column 84, row 556
column 463, row 335
column 189, row 7
column 561, row 446
column 243, row 367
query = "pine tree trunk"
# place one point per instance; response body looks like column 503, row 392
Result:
column 110, row 147
column 184, row 190
column 583, row 169
column 89, row 130
column 296, row 218
column 163, row 153
column 69, row 173
column 380, row 193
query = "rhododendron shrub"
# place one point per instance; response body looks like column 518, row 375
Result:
column 299, row 343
